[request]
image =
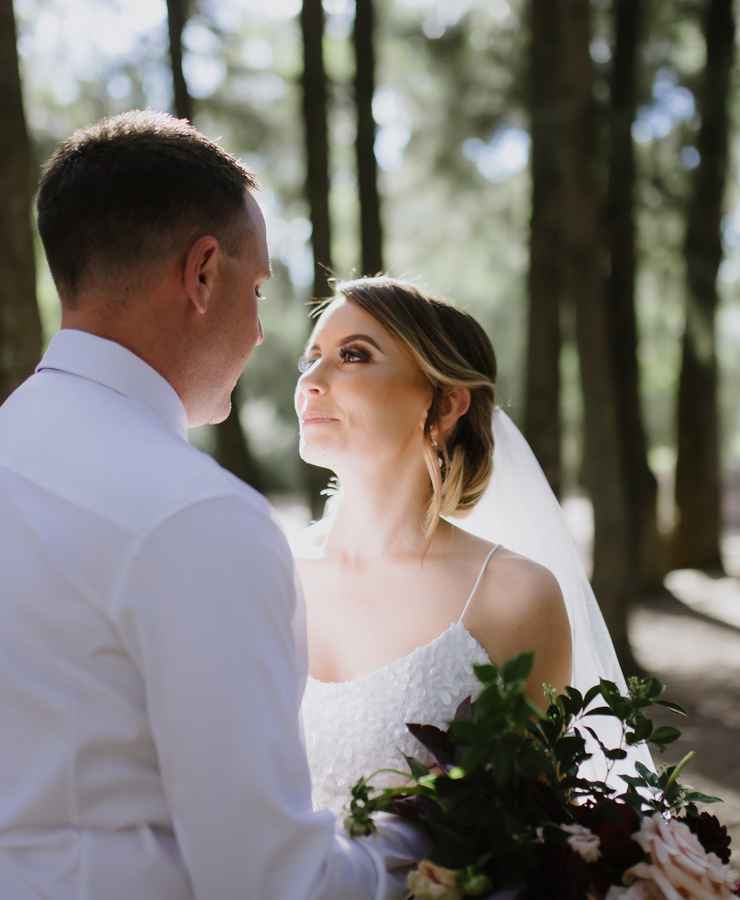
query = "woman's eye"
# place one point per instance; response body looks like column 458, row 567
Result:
column 353, row 354
column 305, row 363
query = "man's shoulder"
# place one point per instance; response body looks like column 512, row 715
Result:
column 103, row 454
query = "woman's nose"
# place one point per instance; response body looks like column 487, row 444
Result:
column 312, row 382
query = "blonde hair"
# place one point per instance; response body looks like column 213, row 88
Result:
column 453, row 351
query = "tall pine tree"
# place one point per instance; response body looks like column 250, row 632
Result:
column 371, row 232
column 20, row 325
column 696, row 539
column 547, row 275
column 316, row 137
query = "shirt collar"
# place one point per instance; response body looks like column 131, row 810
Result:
column 113, row 366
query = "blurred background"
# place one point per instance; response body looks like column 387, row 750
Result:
column 565, row 170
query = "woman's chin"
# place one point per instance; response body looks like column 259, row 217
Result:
column 315, row 455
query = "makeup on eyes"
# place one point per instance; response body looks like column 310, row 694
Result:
column 348, row 347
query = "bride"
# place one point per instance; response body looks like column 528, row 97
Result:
column 397, row 397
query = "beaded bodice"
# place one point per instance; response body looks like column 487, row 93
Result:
column 355, row 727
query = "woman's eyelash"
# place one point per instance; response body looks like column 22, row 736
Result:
column 305, row 363
column 346, row 354
column 359, row 354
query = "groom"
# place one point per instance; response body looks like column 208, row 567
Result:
column 152, row 656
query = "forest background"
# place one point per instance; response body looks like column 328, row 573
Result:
column 565, row 170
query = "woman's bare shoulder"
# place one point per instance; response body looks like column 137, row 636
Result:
column 516, row 589
column 519, row 607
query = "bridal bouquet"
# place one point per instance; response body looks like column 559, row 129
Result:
column 505, row 808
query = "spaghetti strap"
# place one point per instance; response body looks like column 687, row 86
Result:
column 477, row 580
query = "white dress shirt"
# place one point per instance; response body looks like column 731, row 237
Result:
column 150, row 677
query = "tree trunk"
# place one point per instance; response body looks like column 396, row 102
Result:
column 232, row 449
column 20, row 325
column 647, row 549
column 696, row 539
column 233, row 452
column 315, row 120
column 542, row 420
column 177, row 16
column 581, row 223
column 367, row 167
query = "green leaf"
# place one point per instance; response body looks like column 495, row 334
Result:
column 643, row 728
column 591, row 694
column 486, row 673
column 519, row 668
column 608, row 688
column 576, row 696
column 665, row 735
column 653, row 687
column 633, row 780
column 672, row 706
column 417, row 769
column 698, row 797
column 602, row 711
column 617, row 753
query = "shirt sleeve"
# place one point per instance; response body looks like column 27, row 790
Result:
column 205, row 605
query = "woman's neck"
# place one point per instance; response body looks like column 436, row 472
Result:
column 381, row 517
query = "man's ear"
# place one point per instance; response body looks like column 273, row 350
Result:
column 454, row 404
column 201, row 270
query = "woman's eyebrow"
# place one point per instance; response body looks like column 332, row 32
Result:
column 353, row 337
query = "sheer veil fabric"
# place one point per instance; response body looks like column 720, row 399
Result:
column 520, row 511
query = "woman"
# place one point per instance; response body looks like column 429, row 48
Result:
column 396, row 397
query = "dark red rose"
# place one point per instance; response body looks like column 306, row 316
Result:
column 712, row 836
column 614, row 823
column 560, row 872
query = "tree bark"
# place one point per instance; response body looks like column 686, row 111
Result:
column 315, row 118
column 232, row 450
column 177, row 16
column 316, row 134
column 647, row 549
column 371, row 231
column 542, row 419
column 696, row 538
column 20, row 324
column 583, row 243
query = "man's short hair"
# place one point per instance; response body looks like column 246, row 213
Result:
column 125, row 192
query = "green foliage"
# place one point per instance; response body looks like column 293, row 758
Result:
column 448, row 75
column 505, row 769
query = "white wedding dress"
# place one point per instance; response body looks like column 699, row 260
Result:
column 355, row 727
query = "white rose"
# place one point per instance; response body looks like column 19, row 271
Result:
column 584, row 842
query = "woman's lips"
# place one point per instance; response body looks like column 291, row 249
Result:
column 318, row 420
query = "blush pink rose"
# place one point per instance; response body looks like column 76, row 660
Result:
column 678, row 868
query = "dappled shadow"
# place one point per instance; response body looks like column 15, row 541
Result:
column 668, row 604
column 699, row 660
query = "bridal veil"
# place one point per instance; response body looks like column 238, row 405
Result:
column 520, row 511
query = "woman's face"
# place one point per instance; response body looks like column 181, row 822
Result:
column 361, row 399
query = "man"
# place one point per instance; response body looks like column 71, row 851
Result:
column 152, row 653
